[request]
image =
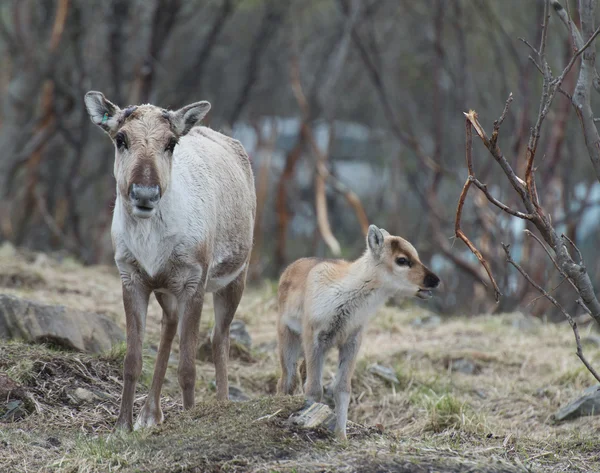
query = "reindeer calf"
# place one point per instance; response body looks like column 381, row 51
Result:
column 327, row 303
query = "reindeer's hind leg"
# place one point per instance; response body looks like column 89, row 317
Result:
column 226, row 302
column 315, row 350
column 290, row 349
column 189, row 327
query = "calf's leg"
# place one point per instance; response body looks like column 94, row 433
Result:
column 314, row 355
column 290, row 349
column 348, row 352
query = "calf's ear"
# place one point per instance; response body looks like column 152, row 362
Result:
column 375, row 240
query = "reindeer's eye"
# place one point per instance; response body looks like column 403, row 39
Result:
column 121, row 141
column 171, row 146
column 402, row 262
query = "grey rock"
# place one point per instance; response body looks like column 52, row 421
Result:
column 81, row 395
column 239, row 346
column 314, row 415
column 12, row 411
column 12, row 397
column 586, row 405
column 464, row 365
column 385, row 373
column 236, row 394
column 318, row 416
column 239, row 333
column 30, row 321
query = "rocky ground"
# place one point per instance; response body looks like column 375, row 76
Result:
column 430, row 394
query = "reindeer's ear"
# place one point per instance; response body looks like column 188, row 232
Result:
column 375, row 240
column 189, row 116
column 102, row 112
column 384, row 232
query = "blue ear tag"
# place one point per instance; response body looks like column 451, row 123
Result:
column 104, row 119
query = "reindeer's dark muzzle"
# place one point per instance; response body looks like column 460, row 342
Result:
column 144, row 199
column 430, row 281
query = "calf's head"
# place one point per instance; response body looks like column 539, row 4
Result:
column 145, row 139
column 398, row 265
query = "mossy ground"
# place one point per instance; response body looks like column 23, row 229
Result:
column 435, row 420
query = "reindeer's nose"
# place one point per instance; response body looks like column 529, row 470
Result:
column 431, row 280
column 144, row 198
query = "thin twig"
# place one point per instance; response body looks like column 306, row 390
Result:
column 461, row 202
column 534, row 62
column 542, row 49
column 583, row 306
column 579, row 53
column 579, row 256
column 535, row 299
column 483, row 188
column 527, row 43
column 498, row 123
column 558, row 306
column 556, row 265
column 535, row 237
column 517, row 183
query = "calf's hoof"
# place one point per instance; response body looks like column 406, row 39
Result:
column 340, row 435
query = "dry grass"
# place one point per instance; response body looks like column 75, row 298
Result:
column 496, row 420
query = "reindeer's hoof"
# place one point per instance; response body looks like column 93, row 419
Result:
column 123, row 425
column 340, row 435
column 148, row 419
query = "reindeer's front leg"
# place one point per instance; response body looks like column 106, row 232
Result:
column 189, row 326
column 343, row 386
column 135, row 301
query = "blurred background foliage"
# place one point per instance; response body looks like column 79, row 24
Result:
column 385, row 84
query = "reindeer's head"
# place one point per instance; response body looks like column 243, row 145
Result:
column 145, row 138
column 398, row 265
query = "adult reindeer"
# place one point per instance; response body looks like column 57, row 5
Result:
column 182, row 227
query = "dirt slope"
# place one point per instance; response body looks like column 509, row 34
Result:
column 473, row 395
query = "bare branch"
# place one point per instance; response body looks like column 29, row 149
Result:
column 461, row 202
column 583, row 306
column 528, row 44
column 588, row 76
column 541, row 296
column 558, row 306
column 580, row 258
column 516, row 182
column 497, row 203
column 498, row 123
column 565, row 17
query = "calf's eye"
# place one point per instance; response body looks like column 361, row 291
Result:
column 402, row 261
